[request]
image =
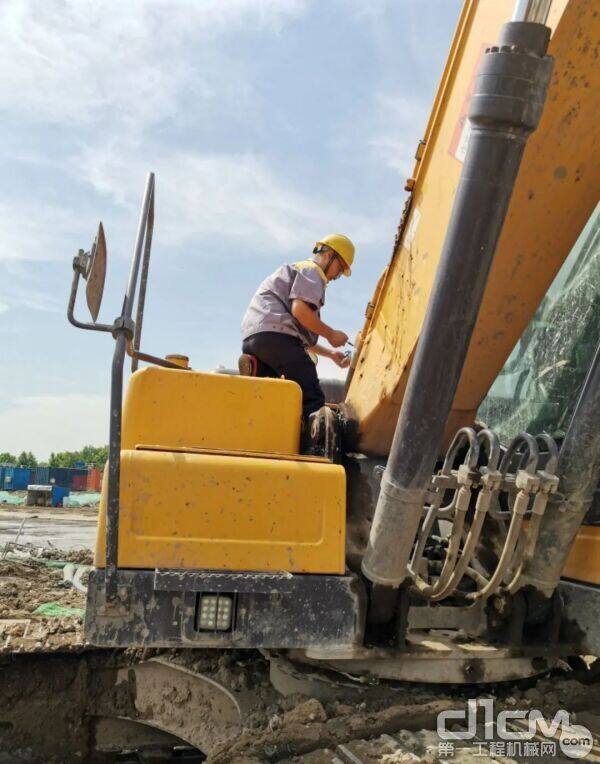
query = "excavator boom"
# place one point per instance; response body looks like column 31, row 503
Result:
column 556, row 190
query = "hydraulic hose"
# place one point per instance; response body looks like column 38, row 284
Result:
column 481, row 509
column 456, row 511
column 548, row 485
column 490, row 479
column 519, row 509
column 524, row 451
column 460, row 504
column 537, row 512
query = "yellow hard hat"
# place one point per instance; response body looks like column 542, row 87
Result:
column 342, row 246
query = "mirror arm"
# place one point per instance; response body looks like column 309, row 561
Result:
column 138, row 355
column 72, row 298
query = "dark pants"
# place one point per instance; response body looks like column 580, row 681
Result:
column 283, row 355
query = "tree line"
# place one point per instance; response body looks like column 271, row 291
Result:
column 88, row 455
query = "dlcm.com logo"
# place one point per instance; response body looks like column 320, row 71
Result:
column 575, row 740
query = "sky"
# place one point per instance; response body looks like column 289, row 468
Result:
column 268, row 123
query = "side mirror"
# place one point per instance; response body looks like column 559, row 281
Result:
column 96, row 274
column 92, row 267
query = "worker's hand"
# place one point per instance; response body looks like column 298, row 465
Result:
column 341, row 359
column 336, row 338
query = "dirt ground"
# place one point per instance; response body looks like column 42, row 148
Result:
column 54, row 687
column 28, row 584
column 47, row 527
column 298, row 729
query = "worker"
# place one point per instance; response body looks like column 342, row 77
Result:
column 282, row 324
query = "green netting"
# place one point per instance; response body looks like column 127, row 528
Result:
column 539, row 385
column 55, row 609
column 81, row 500
column 6, row 497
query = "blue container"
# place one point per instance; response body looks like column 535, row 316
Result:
column 16, row 478
column 60, row 476
column 58, row 494
column 40, row 476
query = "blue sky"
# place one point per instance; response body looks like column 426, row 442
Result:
column 269, row 123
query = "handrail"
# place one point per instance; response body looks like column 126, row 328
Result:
column 123, row 331
column 139, row 318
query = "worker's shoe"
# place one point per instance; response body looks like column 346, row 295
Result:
column 247, row 365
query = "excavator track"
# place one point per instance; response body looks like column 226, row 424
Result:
column 225, row 706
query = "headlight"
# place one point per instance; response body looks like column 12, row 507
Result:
column 215, row 612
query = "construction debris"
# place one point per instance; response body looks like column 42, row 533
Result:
column 39, row 609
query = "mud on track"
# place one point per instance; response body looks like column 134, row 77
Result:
column 51, row 706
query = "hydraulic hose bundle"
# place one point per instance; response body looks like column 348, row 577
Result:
column 476, row 485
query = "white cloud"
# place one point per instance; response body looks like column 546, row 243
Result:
column 120, row 68
column 33, row 299
column 234, row 196
column 77, row 61
column 36, row 231
column 373, row 10
column 108, row 72
column 31, row 233
column 47, row 423
column 399, row 123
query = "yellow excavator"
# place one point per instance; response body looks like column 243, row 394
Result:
column 441, row 523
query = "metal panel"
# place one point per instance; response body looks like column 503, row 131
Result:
column 79, row 482
column 174, row 409
column 188, row 510
column 317, row 611
column 94, row 479
column 213, row 581
column 40, row 475
column 16, row 478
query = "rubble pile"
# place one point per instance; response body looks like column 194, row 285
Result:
column 40, row 609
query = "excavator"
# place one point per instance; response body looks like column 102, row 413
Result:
column 443, row 523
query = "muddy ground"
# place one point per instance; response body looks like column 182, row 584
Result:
column 27, row 586
column 50, row 707
column 53, row 528
column 57, row 694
